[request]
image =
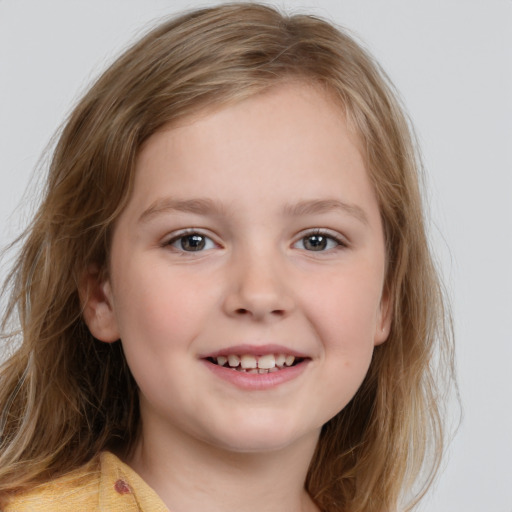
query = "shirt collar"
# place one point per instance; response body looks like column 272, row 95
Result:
column 121, row 488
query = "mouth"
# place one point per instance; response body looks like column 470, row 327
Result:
column 249, row 363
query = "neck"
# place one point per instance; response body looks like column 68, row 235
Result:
column 186, row 472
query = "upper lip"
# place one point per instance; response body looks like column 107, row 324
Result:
column 255, row 350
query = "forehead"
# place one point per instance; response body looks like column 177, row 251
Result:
column 325, row 99
column 291, row 139
column 259, row 117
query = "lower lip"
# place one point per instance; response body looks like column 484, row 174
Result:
column 257, row 381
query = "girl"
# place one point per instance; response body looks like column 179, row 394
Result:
column 226, row 299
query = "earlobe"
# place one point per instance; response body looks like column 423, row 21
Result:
column 385, row 316
column 97, row 305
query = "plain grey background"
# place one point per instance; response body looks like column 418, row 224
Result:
column 452, row 62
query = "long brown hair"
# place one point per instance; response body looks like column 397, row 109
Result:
column 65, row 396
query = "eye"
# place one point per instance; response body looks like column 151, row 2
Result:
column 319, row 241
column 191, row 242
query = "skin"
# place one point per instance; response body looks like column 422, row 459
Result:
column 205, row 440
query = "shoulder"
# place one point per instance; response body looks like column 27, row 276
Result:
column 70, row 493
column 104, row 484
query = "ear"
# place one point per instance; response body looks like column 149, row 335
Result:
column 384, row 318
column 97, row 305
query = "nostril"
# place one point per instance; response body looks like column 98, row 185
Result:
column 243, row 311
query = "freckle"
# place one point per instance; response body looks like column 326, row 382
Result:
column 122, row 487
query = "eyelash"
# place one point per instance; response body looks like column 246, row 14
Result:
column 339, row 241
column 183, row 235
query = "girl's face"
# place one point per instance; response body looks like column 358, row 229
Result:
column 253, row 234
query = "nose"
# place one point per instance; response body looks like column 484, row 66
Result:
column 259, row 289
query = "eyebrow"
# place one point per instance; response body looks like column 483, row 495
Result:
column 311, row 207
column 200, row 206
column 207, row 206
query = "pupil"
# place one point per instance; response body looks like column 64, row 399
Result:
column 315, row 242
column 192, row 243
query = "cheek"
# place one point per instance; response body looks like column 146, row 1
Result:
column 158, row 320
column 157, row 307
column 345, row 327
column 346, row 322
column 346, row 310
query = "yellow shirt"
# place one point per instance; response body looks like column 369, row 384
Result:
column 104, row 485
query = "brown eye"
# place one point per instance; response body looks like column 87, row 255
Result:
column 315, row 242
column 193, row 242
column 318, row 242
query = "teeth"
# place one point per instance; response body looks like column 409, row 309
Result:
column 267, row 362
column 261, row 364
column 248, row 361
column 280, row 360
column 233, row 361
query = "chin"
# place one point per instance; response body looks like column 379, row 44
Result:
column 264, row 437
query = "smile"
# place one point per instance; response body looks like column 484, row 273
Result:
column 248, row 363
